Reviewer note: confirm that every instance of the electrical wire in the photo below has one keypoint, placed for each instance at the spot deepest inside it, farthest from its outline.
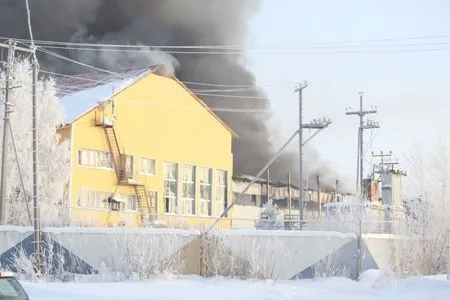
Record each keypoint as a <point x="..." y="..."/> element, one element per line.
<point x="185" y="107"/>
<point x="74" y="61"/>
<point x="19" y="169"/>
<point x="217" y="109"/>
<point x="74" y="77"/>
<point x="260" y="52"/>
<point x="30" y="29"/>
<point x="231" y="96"/>
<point x="203" y="92"/>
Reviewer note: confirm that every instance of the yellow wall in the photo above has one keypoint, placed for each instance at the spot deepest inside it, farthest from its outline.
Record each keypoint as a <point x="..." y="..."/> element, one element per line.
<point x="158" y="119"/>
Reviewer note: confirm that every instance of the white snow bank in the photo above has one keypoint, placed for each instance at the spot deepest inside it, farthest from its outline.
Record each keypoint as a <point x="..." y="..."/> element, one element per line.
<point x="221" y="289"/>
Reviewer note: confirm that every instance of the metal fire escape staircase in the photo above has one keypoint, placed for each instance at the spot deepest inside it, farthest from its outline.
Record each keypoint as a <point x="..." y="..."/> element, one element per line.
<point x="119" y="159"/>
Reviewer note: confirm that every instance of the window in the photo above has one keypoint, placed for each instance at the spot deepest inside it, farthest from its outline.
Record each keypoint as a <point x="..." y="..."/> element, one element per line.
<point x="221" y="192"/>
<point x="129" y="166"/>
<point x="188" y="190"/>
<point x="93" y="199"/>
<point x="170" y="187"/>
<point x="148" y="166"/>
<point x="205" y="191"/>
<point x="95" y="159"/>
<point x="131" y="203"/>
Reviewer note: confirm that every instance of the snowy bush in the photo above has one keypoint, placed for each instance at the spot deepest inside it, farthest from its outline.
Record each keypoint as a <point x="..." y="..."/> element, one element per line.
<point x="218" y="259"/>
<point x="227" y="257"/>
<point x="426" y="206"/>
<point x="53" y="156"/>
<point x="331" y="266"/>
<point x="54" y="262"/>
<point x="140" y="256"/>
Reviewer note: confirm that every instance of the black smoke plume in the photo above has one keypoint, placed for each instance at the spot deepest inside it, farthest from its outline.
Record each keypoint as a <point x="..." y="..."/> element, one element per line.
<point x="163" y="23"/>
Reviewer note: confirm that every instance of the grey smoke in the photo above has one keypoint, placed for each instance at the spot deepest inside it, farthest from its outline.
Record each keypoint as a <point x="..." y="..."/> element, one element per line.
<point x="164" y="23"/>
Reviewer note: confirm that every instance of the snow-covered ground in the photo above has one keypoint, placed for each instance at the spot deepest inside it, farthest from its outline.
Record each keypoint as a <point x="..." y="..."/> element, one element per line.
<point x="372" y="286"/>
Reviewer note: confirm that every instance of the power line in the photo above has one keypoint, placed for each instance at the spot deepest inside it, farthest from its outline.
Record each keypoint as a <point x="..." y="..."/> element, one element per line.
<point x="233" y="85"/>
<point x="231" y="96"/>
<point x="203" y="92"/>
<point x="75" y="61"/>
<point x="284" y="51"/>
<point x="218" y="109"/>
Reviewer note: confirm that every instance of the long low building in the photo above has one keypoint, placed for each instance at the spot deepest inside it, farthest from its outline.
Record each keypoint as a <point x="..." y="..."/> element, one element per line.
<point x="250" y="206"/>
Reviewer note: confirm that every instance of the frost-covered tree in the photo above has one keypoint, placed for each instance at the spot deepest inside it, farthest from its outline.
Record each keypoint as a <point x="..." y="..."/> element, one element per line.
<point x="426" y="207"/>
<point x="53" y="155"/>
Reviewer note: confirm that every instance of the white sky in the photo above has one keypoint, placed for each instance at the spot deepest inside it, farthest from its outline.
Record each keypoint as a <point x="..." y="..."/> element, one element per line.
<point x="410" y="88"/>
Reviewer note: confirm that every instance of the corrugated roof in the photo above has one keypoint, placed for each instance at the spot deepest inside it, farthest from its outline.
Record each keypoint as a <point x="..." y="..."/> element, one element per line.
<point x="80" y="93"/>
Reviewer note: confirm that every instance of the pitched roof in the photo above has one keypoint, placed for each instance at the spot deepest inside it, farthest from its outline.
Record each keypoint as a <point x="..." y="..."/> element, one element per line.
<point x="81" y="93"/>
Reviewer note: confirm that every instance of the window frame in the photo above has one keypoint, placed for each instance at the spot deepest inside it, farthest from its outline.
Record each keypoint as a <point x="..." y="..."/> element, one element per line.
<point x="175" y="207"/>
<point x="202" y="186"/>
<point x="190" y="200"/>
<point x="92" y="153"/>
<point x="219" y="186"/>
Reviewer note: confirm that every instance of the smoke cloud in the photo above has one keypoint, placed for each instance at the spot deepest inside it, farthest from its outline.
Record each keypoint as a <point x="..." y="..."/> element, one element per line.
<point x="165" y="23"/>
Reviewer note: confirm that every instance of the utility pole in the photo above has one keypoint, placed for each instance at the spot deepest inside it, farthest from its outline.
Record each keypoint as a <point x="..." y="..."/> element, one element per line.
<point x="362" y="126"/>
<point x="37" y="229"/>
<point x="299" y="90"/>
<point x="382" y="155"/>
<point x="4" y="178"/>
<point x="318" y="124"/>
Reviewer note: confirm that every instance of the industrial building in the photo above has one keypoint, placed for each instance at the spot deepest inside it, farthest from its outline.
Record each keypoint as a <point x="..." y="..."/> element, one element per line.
<point x="250" y="207"/>
<point x="144" y="150"/>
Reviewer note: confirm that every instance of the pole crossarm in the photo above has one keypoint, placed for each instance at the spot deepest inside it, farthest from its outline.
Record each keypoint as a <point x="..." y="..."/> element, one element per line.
<point x="317" y="124"/>
<point x="21" y="49"/>
<point x="361" y="113"/>
<point x="256" y="178"/>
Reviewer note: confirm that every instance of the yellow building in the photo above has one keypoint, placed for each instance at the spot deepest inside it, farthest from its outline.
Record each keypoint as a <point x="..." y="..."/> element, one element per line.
<point x="145" y="149"/>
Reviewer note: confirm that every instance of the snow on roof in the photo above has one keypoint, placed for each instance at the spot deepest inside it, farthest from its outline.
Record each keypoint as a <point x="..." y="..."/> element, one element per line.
<point x="80" y="93"/>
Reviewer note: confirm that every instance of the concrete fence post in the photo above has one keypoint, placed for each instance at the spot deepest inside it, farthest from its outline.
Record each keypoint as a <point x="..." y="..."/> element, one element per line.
<point x="448" y="254"/>
<point x="359" y="250"/>
<point x="202" y="254"/>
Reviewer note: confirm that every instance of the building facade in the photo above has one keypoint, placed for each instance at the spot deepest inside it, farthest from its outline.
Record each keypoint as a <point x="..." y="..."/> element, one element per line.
<point x="146" y="150"/>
